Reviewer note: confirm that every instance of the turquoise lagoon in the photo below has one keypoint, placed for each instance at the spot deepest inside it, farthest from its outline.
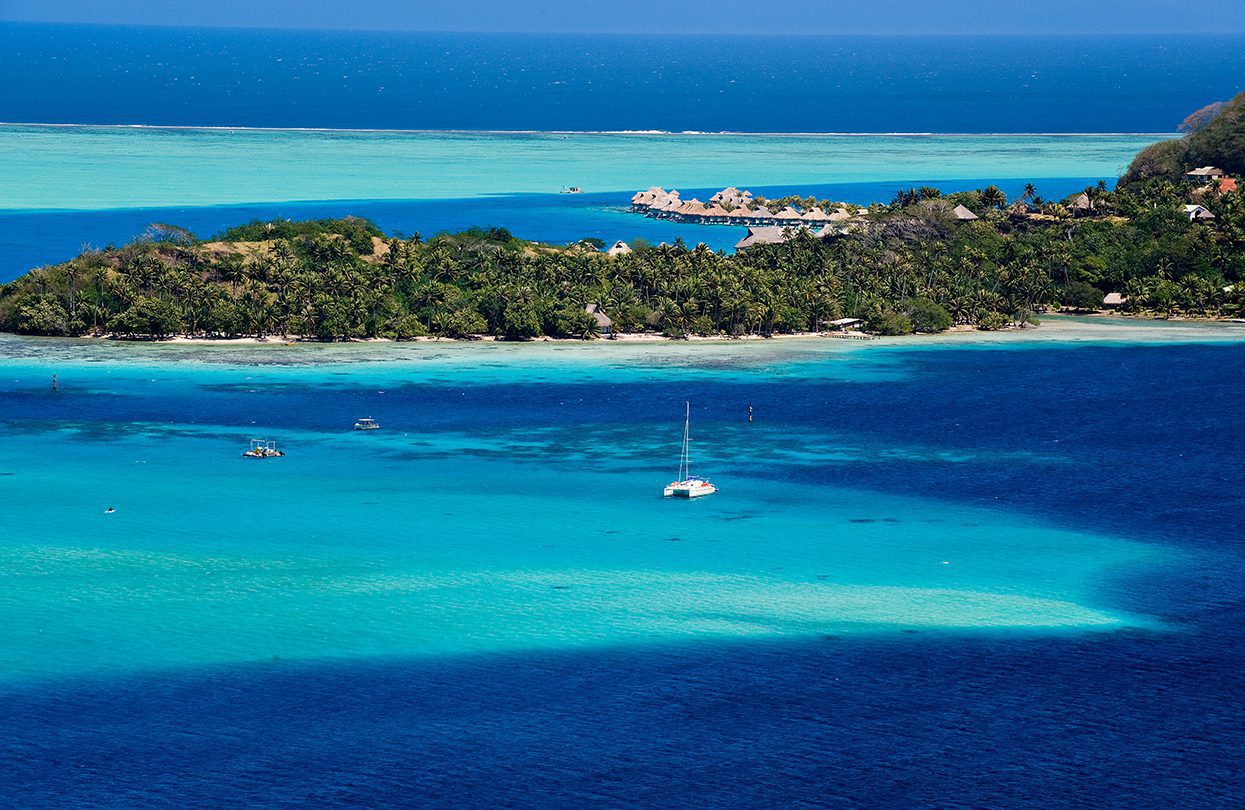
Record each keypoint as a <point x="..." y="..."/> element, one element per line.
<point x="511" y="502"/>
<point x="94" y="168"/>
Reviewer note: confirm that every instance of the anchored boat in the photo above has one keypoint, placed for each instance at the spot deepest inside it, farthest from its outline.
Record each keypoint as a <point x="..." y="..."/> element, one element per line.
<point x="262" y="448"/>
<point x="688" y="485"/>
<point x="367" y="423"/>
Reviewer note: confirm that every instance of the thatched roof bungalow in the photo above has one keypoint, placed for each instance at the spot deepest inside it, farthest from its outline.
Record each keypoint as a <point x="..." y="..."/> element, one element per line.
<point x="619" y="248"/>
<point x="769" y="235"/>
<point x="1082" y="205"/>
<point x="605" y="325"/>
<point x="963" y="214"/>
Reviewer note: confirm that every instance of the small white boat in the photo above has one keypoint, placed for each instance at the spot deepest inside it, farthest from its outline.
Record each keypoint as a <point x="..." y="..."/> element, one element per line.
<point x="573" y="190"/>
<point x="367" y="423"/>
<point x="262" y="448"/>
<point x="688" y="485"/>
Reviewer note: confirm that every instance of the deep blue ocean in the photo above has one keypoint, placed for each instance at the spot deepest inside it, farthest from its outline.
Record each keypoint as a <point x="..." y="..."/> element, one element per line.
<point x="1126" y="441"/>
<point x="353" y="80"/>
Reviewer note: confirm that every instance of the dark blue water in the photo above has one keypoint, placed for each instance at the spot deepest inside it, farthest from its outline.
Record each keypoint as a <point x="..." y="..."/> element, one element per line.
<point x="33" y="238"/>
<point x="269" y="78"/>
<point x="1135" y="440"/>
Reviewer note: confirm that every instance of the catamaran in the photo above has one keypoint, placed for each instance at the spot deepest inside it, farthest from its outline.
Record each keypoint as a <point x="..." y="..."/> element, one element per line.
<point x="688" y="485"/>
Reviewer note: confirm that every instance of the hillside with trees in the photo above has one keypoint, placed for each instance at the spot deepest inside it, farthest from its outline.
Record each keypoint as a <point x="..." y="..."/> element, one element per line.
<point x="1215" y="136"/>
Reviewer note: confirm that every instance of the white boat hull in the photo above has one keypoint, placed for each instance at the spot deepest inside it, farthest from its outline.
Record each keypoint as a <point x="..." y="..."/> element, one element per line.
<point x="689" y="490"/>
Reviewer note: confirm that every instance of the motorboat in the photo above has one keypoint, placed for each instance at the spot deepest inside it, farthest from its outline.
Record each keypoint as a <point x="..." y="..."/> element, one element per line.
<point x="262" y="448"/>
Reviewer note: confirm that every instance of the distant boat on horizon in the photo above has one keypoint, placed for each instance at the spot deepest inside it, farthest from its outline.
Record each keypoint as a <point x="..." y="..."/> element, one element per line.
<point x="688" y="485"/>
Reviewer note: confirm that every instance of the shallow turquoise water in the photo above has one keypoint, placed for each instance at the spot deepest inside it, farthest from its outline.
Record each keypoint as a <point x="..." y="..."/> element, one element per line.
<point x="92" y="168"/>
<point x="511" y="502"/>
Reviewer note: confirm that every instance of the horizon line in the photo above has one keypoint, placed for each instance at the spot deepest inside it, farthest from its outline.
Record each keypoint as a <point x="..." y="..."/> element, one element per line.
<point x="1017" y="34"/>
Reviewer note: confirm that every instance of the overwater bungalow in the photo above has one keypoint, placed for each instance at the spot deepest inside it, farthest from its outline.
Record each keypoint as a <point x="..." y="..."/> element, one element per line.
<point x="788" y="214"/>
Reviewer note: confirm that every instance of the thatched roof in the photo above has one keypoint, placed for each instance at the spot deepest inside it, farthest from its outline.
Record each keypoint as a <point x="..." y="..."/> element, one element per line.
<point x="1114" y="299"/>
<point x="603" y="321"/>
<point x="814" y="215"/>
<point x="619" y="248"/>
<point x="715" y="211"/>
<point x="963" y="214"/>
<point x="1082" y="203"/>
<point x="787" y="213"/>
<point x="768" y="235"/>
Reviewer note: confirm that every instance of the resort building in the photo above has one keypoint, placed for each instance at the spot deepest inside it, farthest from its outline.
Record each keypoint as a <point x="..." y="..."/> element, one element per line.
<point x="730" y="206"/>
<point x="1223" y="185"/>
<point x="1197" y="212"/>
<point x="619" y="249"/>
<point x="963" y="214"/>
<point x="605" y="325"/>
<point x="1204" y="174"/>
<point x="1082" y="205"/>
<point x="777" y="234"/>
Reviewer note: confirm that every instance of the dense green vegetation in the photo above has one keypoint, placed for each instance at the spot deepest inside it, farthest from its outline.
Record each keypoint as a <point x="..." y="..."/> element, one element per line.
<point x="911" y="266"/>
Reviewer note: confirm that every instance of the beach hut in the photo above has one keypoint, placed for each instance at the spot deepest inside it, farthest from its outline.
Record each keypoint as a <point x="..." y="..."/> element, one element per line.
<point x="1113" y="300"/>
<point x="844" y="324"/>
<point x="619" y="248"/>
<point x="1197" y="212"/>
<point x="604" y="324"/>
<point x="963" y="214"/>
<point x="1019" y="209"/>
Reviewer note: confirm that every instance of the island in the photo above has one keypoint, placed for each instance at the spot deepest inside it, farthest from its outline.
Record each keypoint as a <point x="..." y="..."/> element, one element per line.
<point x="1167" y="240"/>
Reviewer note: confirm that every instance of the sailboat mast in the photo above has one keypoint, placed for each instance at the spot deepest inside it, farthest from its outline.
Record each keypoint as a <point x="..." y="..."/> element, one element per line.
<point x="687" y="439"/>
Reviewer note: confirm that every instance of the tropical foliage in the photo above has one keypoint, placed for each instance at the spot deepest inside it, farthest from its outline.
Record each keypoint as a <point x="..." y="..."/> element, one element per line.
<point x="908" y="266"/>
